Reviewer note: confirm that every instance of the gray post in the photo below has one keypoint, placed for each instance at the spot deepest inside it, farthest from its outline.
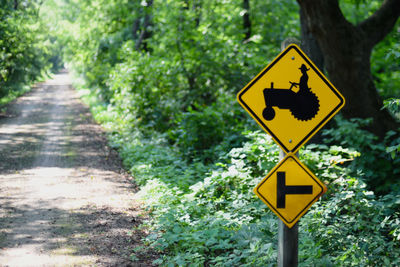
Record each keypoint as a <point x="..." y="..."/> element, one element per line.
<point x="287" y="240"/>
<point x="287" y="245"/>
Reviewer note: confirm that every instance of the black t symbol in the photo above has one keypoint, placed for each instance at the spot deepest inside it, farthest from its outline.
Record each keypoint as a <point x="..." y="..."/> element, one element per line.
<point x="283" y="190"/>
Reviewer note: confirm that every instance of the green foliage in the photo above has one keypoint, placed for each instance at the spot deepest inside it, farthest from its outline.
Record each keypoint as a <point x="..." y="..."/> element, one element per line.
<point x="381" y="170"/>
<point x="24" y="50"/>
<point x="195" y="56"/>
<point x="168" y="102"/>
<point x="393" y="105"/>
<point x="358" y="10"/>
<point x="220" y="222"/>
<point x="92" y="33"/>
<point x="384" y="68"/>
<point x="147" y="158"/>
<point x="393" y="150"/>
<point x="217" y="220"/>
<point x="207" y="132"/>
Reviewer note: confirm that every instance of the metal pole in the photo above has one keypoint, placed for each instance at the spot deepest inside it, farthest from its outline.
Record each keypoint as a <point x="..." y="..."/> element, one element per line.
<point x="287" y="240"/>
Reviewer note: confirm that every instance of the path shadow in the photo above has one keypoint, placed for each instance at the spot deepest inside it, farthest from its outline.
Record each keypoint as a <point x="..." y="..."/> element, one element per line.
<point x="108" y="234"/>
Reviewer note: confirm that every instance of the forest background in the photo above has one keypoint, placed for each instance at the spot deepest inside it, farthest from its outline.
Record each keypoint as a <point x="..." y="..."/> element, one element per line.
<point x="162" y="75"/>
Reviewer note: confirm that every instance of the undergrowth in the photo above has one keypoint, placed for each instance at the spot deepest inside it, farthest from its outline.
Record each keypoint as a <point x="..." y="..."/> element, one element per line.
<point x="11" y="95"/>
<point x="207" y="215"/>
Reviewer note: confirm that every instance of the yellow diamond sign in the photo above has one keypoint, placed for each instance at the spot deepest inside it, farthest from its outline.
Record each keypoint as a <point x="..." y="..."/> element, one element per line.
<point x="291" y="99"/>
<point x="290" y="189"/>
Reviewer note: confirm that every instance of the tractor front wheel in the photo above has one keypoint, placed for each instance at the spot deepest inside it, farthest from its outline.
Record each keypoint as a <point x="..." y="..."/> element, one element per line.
<point x="268" y="113"/>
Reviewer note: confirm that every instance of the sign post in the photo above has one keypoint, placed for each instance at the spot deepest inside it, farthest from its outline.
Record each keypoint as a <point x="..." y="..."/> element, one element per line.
<point x="291" y="100"/>
<point x="288" y="240"/>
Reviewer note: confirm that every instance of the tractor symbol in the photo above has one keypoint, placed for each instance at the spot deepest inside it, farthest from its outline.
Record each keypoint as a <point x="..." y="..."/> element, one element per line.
<point x="303" y="104"/>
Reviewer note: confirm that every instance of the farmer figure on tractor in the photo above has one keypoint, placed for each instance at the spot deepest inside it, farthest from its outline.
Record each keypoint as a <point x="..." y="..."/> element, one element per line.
<point x="303" y="84"/>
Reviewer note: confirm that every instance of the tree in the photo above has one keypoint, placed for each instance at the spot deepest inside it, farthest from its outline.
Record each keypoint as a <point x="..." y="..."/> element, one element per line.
<point x="24" y="53"/>
<point x="246" y="19"/>
<point x="347" y="50"/>
<point x="145" y="31"/>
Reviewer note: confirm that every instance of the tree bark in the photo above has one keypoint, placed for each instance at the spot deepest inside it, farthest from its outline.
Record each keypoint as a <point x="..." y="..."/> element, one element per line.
<point x="311" y="47"/>
<point x="197" y="9"/>
<point x="246" y="20"/>
<point x="146" y="32"/>
<point x="309" y="44"/>
<point x="347" y="50"/>
<point x="135" y="29"/>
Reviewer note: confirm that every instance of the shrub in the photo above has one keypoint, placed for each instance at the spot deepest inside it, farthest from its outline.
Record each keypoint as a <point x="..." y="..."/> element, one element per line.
<point x="380" y="169"/>
<point x="220" y="222"/>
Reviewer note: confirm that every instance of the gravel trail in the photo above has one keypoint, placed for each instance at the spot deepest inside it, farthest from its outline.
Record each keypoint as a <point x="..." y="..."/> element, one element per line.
<point x="64" y="198"/>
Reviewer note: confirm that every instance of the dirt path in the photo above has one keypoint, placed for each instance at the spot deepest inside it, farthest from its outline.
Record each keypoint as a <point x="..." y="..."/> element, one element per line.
<point x="64" y="199"/>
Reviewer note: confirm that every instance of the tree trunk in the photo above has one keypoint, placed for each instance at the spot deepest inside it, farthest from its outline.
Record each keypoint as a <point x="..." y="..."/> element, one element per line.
<point x="197" y="9"/>
<point x="309" y="44"/>
<point x="246" y="20"/>
<point x="347" y="50"/>
<point x="146" y="32"/>
<point x="135" y="29"/>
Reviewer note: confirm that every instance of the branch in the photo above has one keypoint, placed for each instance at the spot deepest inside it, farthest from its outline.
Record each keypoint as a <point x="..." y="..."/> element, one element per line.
<point x="145" y="33"/>
<point x="246" y="19"/>
<point x="379" y="24"/>
<point x="135" y="29"/>
<point x="322" y="15"/>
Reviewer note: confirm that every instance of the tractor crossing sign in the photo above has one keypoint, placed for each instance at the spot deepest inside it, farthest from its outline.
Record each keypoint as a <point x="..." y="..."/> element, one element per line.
<point x="291" y="99"/>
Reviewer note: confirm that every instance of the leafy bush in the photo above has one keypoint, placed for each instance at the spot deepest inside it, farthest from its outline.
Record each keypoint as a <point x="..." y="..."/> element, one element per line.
<point x="381" y="171"/>
<point x="217" y="220"/>
<point x="393" y="105"/>
<point x="220" y="222"/>
<point x="206" y="132"/>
